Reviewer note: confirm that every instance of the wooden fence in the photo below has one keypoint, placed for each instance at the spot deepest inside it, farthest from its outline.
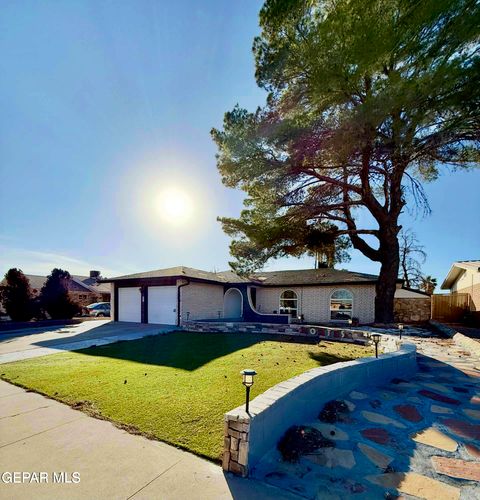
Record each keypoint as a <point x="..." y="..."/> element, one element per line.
<point x="450" y="308"/>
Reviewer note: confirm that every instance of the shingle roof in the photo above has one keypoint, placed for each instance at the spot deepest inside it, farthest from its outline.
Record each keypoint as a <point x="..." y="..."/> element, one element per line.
<point x="322" y="276"/>
<point x="187" y="272"/>
<point x="90" y="284"/>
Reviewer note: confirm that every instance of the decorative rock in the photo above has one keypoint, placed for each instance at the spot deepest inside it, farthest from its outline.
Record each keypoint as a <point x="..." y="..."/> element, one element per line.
<point x="475" y="414"/>
<point x="351" y="406"/>
<point x="473" y="451"/>
<point x="332" y="432"/>
<point x="435" y="438"/>
<point x="414" y="399"/>
<point x="377" y="418"/>
<point x="408" y="412"/>
<point x="333" y="457"/>
<point x="438" y="397"/>
<point x="378" y="458"/>
<point x="358" y="395"/>
<point x="417" y="485"/>
<point x="455" y="467"/>
<point x="435" y="387"/>
<point x="463" y="428"/>
<point x="440" y="409"/>
<point x="380" y="436"/>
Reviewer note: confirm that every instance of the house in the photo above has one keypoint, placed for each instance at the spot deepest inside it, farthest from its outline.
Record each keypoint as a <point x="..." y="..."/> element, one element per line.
<point x="84" y="290"/>
<point x="464" y="277"/>
<point x="175" y="295"/>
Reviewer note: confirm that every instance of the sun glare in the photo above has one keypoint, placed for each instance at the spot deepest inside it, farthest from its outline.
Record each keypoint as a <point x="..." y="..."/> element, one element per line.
<point x="174" y="205"/>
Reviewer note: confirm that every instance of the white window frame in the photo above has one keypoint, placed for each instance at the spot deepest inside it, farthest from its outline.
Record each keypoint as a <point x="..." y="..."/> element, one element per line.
<point x="330" y="304"/>
<point x="280" y="307"/>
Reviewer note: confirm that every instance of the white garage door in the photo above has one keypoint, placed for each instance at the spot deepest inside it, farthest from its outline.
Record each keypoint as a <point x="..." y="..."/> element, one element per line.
<point x="162" y="305"/>
<point x="129" y="304"/>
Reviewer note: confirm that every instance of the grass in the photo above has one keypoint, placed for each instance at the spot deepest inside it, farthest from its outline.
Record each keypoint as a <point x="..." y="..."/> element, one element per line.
<point x="173" y="387"/>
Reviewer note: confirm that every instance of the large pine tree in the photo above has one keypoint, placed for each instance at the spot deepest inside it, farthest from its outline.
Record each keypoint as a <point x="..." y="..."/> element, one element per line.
<point x="367" y="101"/>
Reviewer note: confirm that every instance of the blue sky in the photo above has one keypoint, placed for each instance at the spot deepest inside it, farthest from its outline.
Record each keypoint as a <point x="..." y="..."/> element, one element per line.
<point x="107" y="104"/>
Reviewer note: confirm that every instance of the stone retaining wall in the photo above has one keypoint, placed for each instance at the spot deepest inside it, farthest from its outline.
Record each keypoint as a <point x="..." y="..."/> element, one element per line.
<point x="313" y="331"/>
<point x="412" y="310"/>
<point x="461" y="340"/>
<point x="249" y="436"/>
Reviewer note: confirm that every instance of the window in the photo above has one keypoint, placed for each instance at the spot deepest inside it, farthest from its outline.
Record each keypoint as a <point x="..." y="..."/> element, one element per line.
<point x="341" y="305"/>
<point x="289" y="303"/>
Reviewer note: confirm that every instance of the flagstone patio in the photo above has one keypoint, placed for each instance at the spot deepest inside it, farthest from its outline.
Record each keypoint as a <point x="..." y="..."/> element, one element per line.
<point x="416" y="438"/>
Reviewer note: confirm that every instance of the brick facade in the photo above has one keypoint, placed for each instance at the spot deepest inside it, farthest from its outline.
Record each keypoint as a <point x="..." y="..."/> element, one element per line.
<point x="314" y="301"/>
<point x="201" y="301"/>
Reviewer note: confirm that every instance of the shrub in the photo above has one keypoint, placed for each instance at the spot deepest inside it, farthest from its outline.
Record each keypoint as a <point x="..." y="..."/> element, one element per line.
<point x="54" y="297"/>
<point x="16" y="296"/>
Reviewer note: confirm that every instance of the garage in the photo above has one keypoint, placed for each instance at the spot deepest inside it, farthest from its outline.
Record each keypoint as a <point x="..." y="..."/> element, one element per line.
<point x="162" y="305"/>
<point x="129" y="304"/>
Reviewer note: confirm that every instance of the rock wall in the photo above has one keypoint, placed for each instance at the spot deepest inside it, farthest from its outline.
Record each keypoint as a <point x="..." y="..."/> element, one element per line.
<point x="412" y="310"/>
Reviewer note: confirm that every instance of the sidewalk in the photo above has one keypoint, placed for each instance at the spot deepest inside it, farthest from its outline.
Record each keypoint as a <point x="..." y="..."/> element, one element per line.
<point x="41" y="435"/>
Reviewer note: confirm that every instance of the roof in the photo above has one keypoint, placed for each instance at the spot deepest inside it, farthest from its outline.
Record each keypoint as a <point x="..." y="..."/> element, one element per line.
<point x="410" y="293"/>
<point x="457" y="269"/>
<point x="184" y="272"/>
<point x="90" y="284"/>
<point x="324" y="276"/>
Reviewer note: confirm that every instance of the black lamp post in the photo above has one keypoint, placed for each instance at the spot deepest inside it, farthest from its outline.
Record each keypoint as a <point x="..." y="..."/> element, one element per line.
<point x="376" y="340"/>
<point x="400" y="329"/>
<point x="247" y="380"/>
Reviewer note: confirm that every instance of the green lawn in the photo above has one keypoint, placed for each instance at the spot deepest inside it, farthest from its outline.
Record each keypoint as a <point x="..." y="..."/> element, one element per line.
<point x="173" y="387"/>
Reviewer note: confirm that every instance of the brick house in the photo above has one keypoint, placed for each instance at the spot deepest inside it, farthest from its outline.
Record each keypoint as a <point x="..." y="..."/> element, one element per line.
<point x="464" y="277"/>
<point x="176" y="295"/>
<point x="84" y="290"/>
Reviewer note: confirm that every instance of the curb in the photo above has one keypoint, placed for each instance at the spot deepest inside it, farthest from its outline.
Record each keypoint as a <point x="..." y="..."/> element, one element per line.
<point x="461" y="340"/>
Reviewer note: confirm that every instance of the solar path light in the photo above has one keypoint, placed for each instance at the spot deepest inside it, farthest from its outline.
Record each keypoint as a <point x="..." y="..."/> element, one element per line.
<point x="400" y="329"/>
<point x="247" y="380"/>
<point x="376" y="339"/>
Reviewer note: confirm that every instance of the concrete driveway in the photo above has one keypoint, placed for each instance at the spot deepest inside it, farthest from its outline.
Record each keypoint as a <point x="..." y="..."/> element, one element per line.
<point x="44" y="436"/>
<point x="31" y="343"/>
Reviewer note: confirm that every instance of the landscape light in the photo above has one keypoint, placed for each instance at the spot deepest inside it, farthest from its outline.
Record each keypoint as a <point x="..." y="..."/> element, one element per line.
<point x="247" y="380"/>
<point x="400" y="328"/>
<point x="376" y="339"/>
<point x="350" y="321"/>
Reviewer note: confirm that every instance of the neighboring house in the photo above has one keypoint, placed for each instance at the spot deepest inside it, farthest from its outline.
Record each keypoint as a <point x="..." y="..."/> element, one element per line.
<point x="84" y="290"/>
<point x="464" y="277"/>
<point x="175" y="295"/>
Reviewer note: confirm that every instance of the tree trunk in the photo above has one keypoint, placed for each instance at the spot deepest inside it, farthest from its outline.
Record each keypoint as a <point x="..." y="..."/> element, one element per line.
<point x="387" y="280"/>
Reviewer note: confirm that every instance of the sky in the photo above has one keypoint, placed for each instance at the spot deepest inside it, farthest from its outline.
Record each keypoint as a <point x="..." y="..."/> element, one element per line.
<point x="106" y="115"/>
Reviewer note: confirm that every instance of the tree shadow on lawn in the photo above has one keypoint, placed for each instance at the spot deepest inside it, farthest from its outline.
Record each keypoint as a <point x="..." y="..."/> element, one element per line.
<point x="189" y="351"/>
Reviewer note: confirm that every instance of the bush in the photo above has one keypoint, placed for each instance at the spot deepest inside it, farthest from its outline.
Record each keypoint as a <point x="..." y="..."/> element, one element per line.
<point x="54" y="297"/>
<point x="16" y="296"/>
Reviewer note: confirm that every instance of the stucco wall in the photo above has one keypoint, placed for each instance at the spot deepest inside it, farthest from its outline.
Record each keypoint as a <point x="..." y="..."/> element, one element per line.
<point x="314" y="301"/>
<point x="474" y="292"/>
<point x="201" y="300"/>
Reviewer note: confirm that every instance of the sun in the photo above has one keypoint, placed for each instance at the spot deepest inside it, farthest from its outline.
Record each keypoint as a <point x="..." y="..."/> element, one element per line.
<point x="174" y="205"/>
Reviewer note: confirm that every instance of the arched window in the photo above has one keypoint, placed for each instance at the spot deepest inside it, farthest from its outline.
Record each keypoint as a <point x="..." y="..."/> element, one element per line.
<point x="289" y="303"/>
<point x="341" y="305"/>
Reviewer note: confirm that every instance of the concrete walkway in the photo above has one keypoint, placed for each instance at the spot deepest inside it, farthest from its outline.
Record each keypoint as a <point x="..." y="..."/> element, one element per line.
<point x="41" y="435"/>
<point x="419" y="438"/>
<point x="24" y="344"/>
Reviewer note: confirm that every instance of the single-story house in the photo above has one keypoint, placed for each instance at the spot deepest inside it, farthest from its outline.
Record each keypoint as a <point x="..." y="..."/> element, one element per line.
<point x="179" y="294"/>
<point x="464" y="277"/>
<point x="84" y="290"/>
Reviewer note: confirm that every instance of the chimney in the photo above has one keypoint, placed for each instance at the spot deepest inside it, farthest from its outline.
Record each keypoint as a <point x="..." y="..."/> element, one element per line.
<point x="95" y="274"/>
